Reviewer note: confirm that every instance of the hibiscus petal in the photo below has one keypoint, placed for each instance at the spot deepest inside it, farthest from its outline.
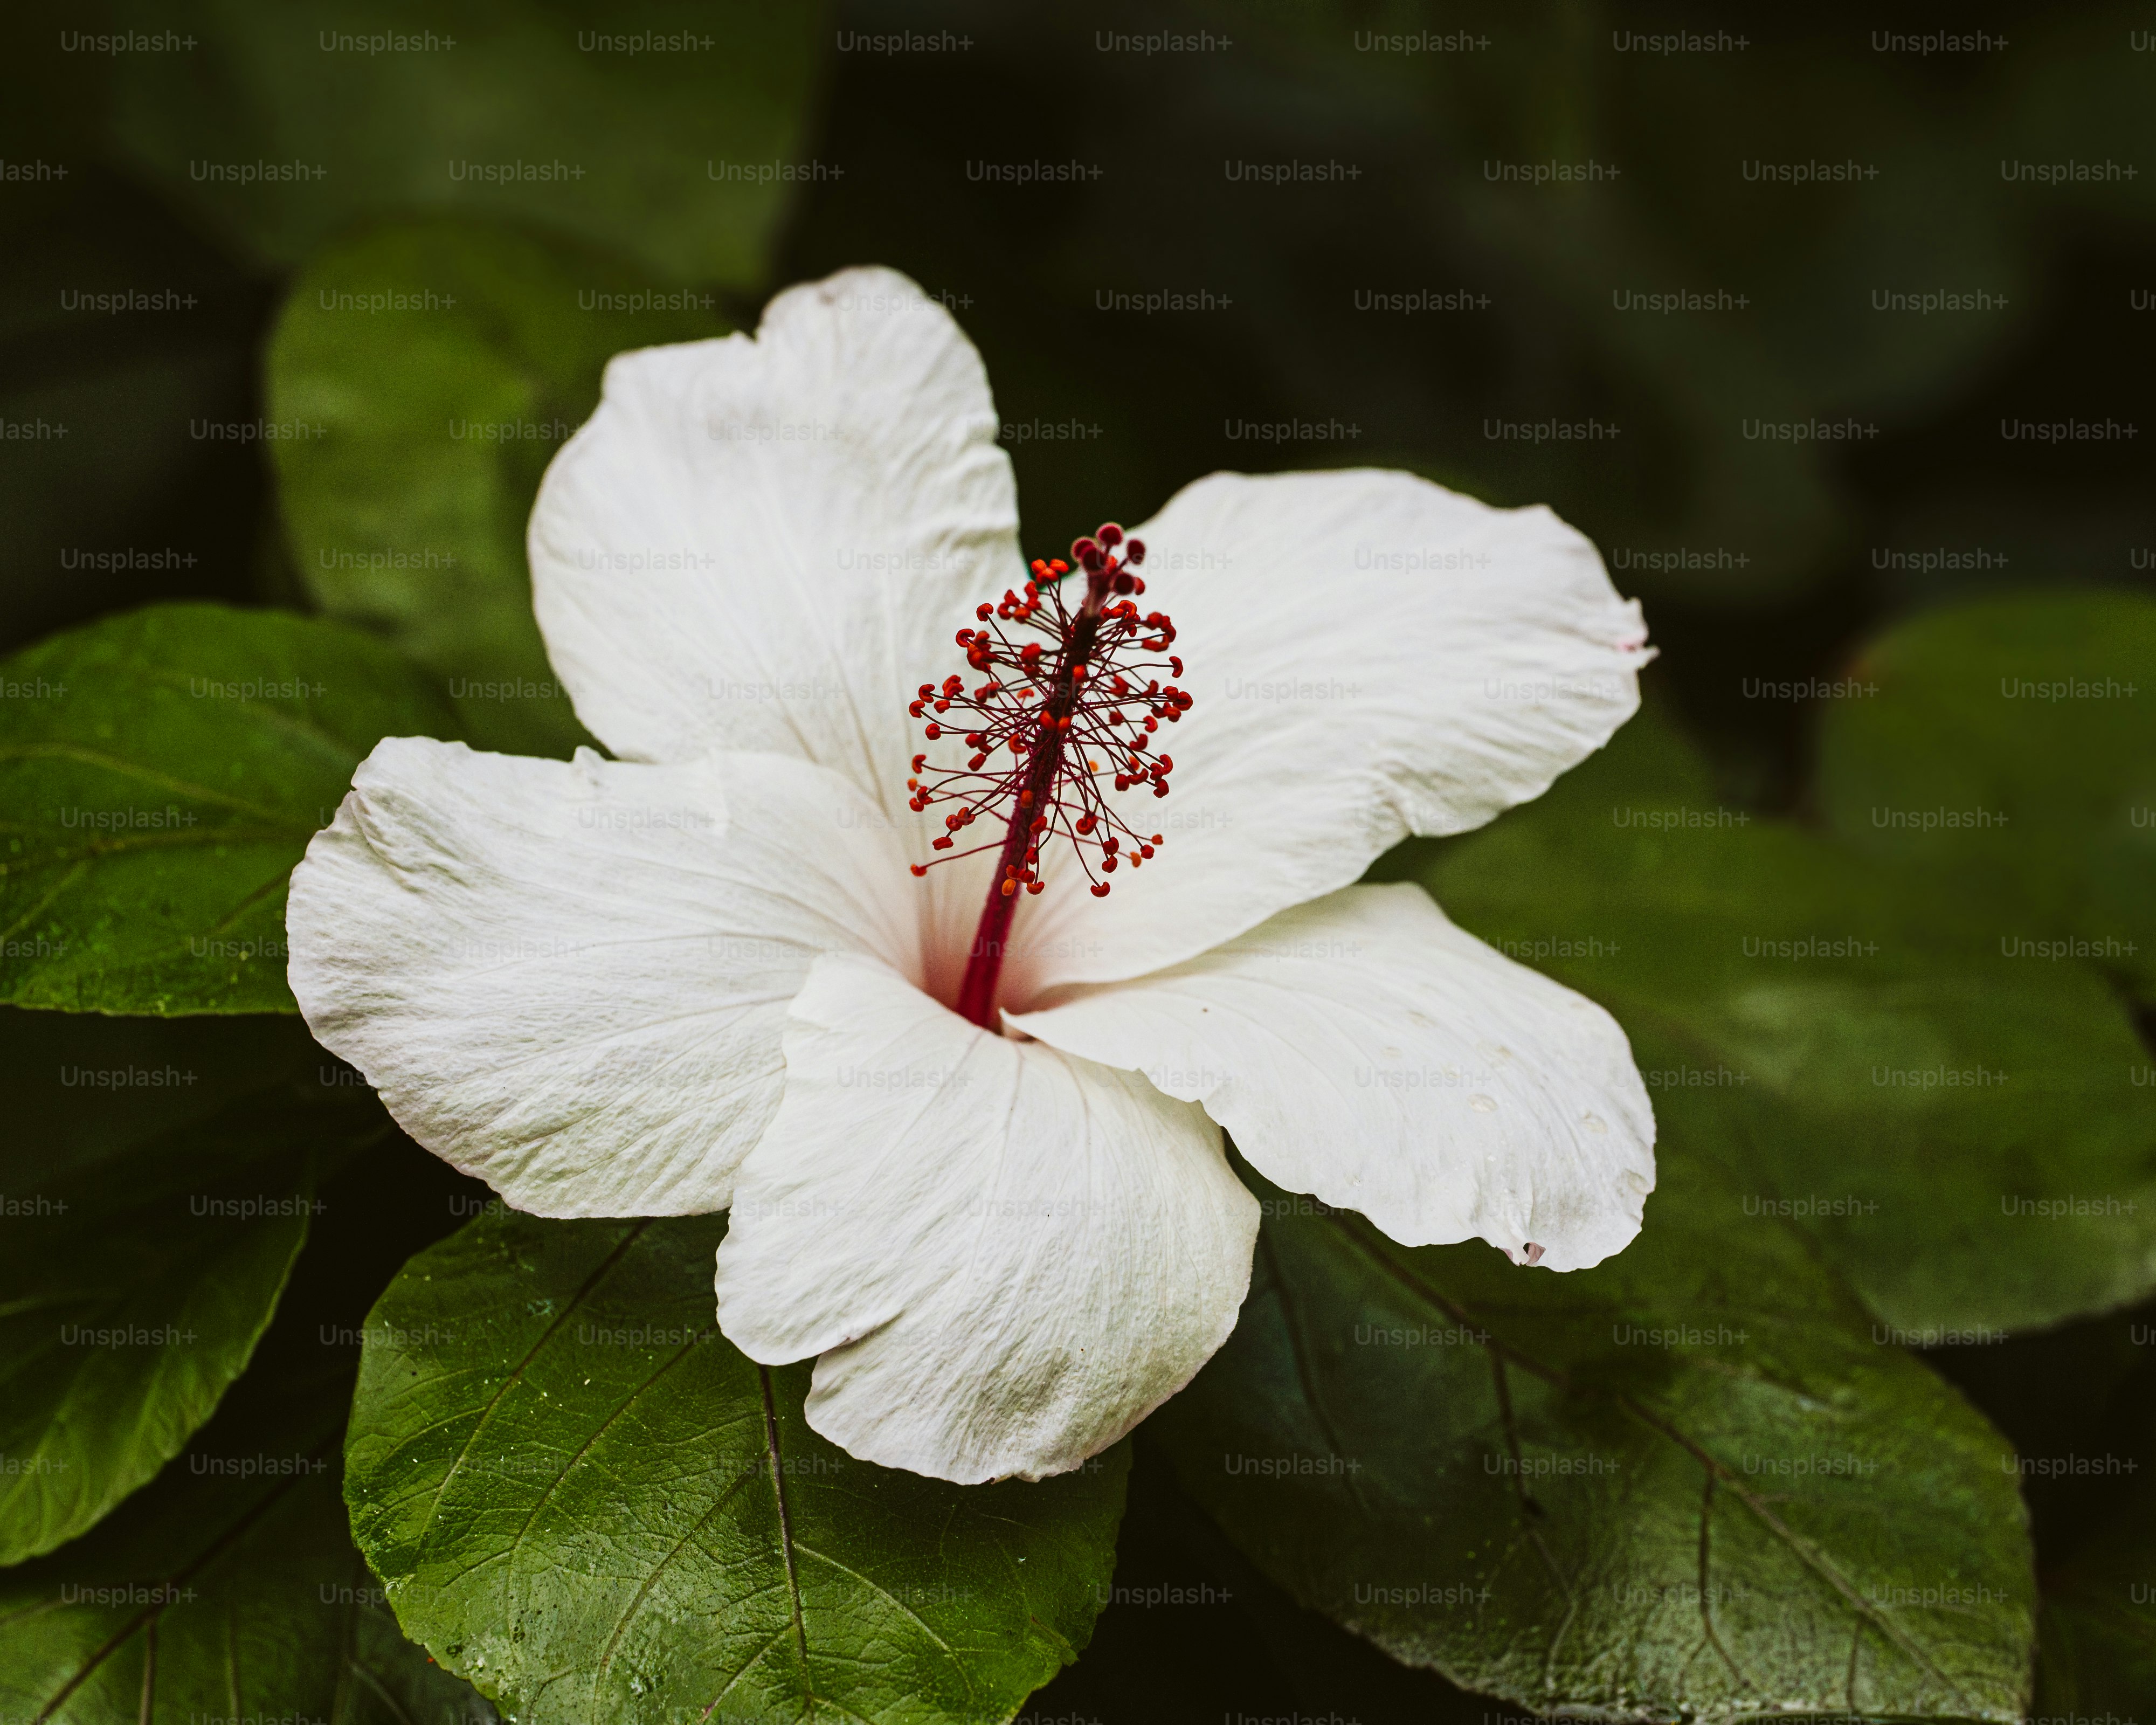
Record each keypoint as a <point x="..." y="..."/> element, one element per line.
<point x="1365" y="1051"/>
<point x="1006" y="1257"/>
<point x="1373" y="656"/>
<point x="570" y="978"/>
<point x="769" y="544"/>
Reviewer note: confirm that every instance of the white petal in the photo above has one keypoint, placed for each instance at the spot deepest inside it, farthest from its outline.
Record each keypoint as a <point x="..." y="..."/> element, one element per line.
<point x="570" y="978"/>
<point x="769" y="544"/>
<point x="1371" y="656"/>
<point x="1006" y="1257"/>
<point x="1363" y="1049"/>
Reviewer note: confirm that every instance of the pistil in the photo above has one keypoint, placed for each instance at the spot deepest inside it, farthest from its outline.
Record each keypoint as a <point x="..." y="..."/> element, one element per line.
<point x="1096" y="696"/>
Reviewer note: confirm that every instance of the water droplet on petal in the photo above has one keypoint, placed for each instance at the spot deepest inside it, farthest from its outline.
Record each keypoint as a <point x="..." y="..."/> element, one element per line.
<point x="1593" y="1122"/>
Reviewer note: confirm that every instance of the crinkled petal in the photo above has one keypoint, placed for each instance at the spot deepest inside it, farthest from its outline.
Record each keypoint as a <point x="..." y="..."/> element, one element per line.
<point x="1363" y="1049"/>
<point x="1371" y="656"/>
<point x="768" y="544"/>
<point x="570" y="978"/>
<point x="1006" y="1257"/>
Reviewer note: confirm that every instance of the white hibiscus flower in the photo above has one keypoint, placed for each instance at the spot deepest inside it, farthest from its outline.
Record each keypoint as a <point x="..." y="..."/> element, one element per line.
<point x="712" y="972"/>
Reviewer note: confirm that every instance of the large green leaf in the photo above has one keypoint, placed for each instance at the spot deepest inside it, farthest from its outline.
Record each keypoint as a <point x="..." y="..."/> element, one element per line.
<point x="160" y="773"/>
<point x="1964" y="1138"/>
<point x="2009" y="749"/>
<point x="229" y="1591"/>
<point x="580" y="1496"/>
<point x="1687" y="1483"/>
<point x="664" y="130"/>
<point x="435" y="420"/>
<point x="132" y="1293"/>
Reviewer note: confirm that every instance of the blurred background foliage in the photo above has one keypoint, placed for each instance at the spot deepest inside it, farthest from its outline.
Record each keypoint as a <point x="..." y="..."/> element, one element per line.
<point x="1762" y="561"/>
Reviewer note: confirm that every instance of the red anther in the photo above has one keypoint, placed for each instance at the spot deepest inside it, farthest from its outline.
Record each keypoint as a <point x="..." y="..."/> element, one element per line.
<point x="919" y="762"/>
<point x="1039" y="823"/>
<point x="1100" y="889"/>
<point x="974" y="764"/>
<point x="1025" y="798"/>
<point x="942" y="706"/>
<point x="1167" y="763"/>
<point x="1086" y="822"/>
<point x="1145" y="850"/>
<point x="1157" y="839"/>
<point x="1160" y="789"/>
<point x="1123" y="782"/>
<point x="1110" y="535"/>
<point x="1035" y="886"/>
<point x="1151" y="723"/>
<point x="1137" y="584"/>
<point x="1009" y="887"/>
<point x="1126" y="584"/>
<point x="982" y="614"/>
<point x="915" y="708"/>
<point x="1174" y="665"/>
<point x="919" y="870"/>
<point x="941" y="844"/>
<point x="1111" y="843"/>
<point x="1107" y="865"/>
<point x="933" y="732"/>
<point x="1135" y="552"/>
<point x="1056" y="565"/>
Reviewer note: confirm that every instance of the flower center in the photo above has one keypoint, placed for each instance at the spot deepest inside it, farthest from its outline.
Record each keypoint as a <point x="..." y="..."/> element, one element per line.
<point x="1070" y="696"/>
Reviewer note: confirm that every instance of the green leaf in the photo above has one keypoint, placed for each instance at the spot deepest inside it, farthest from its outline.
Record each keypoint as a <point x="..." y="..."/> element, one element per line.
<point x="583" y="1499"/>
<point x="229" y="1590"/>
<point x="430" y="427"/>
<point x="679" y="155"/>
<point x="132" y="1294"/>
<point x="2097" y="1658"/>
<point x="2007" y="751"/>
<point x="1965" y="1136"/>
<point x="1686" y="1483"/>
<point x="160" y="773"/>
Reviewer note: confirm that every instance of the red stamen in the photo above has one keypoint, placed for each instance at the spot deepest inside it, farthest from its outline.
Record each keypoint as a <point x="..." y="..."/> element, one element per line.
<point x="1047" y="702"/>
